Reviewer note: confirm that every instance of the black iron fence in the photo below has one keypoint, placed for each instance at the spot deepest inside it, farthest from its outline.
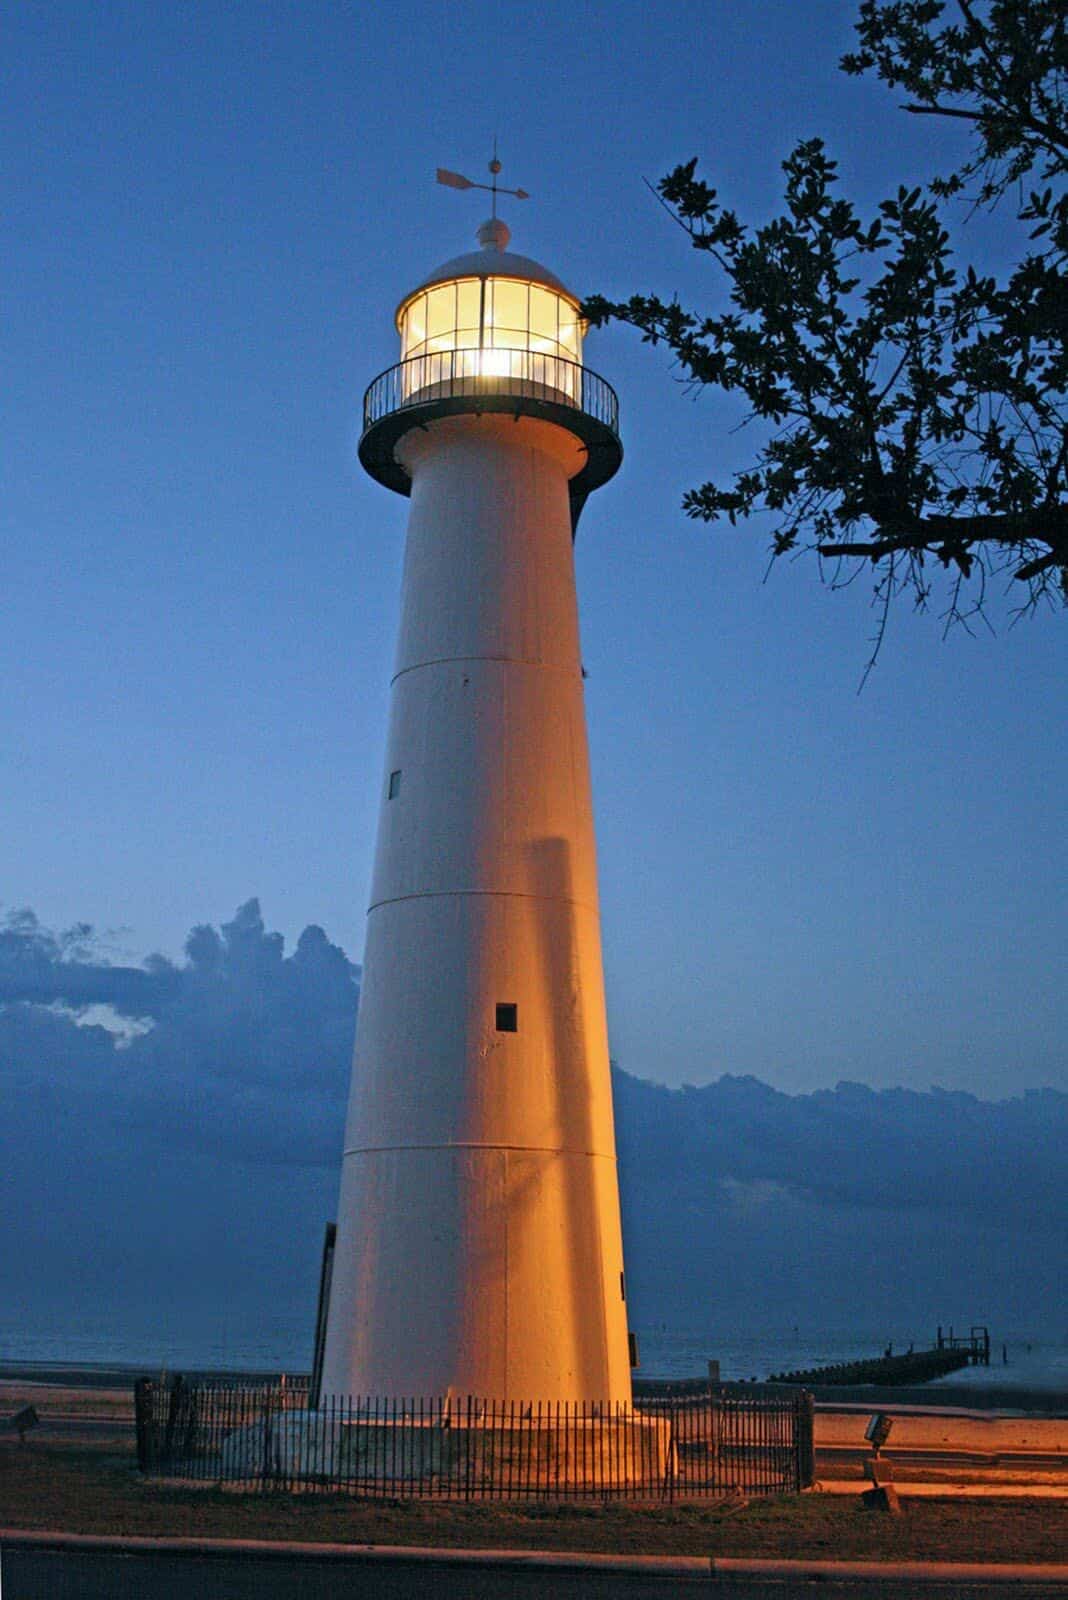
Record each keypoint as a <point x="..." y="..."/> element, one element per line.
<point x="267" y="1437"/>
<point x="471" y="374"/>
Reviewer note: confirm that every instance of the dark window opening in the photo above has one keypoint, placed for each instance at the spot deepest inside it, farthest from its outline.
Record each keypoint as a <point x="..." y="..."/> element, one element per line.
<point x="507" y="1017"/>
<point x="622" y="1287"/>
<point x="394" y="784"/>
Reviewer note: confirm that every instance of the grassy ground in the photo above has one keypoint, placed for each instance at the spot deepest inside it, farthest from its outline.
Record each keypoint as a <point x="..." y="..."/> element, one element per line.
<point x="58" y="1400"/>
<point x="94" y="1487"/>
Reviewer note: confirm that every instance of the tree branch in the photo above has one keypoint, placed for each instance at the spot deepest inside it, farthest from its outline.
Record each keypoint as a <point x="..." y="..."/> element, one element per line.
<point x="1032" y="569"/>
<point x="1041" y="130"/>
<point x="1048" y="524"/>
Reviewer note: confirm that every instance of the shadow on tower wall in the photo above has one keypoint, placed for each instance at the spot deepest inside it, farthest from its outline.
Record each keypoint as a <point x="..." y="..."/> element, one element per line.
<point x="567" y="1023"/>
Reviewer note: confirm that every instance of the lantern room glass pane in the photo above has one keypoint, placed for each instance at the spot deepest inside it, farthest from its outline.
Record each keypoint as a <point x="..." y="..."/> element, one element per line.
<point x="543" y="313"/>
<point x="414" y="330"/>
<point x="441" y="317"/>
<point x="506" y="307"/>
<point x="469" y="304"/>
<point x="570" y="332"/>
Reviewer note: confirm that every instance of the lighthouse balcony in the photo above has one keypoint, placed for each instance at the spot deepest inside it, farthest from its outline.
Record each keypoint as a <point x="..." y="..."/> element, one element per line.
<point x="520" y="382"/>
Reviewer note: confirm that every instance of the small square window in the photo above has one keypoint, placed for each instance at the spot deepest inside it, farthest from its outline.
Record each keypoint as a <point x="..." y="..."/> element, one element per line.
<point x="394" y="784"/>
<point x="507" y="1017"/>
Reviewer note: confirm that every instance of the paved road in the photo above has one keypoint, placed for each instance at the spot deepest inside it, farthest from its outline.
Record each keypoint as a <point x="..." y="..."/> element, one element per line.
<point x="80" y="1575"/>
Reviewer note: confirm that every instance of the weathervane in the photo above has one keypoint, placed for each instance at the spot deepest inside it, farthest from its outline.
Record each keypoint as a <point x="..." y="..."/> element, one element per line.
<point x="456" y="180"/>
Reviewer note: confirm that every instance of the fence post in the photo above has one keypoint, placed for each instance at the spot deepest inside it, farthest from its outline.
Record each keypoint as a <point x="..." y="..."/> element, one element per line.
<point x="808" y="1436"/>
<point x="267" y="1436"/>
<point x="173" y="1411"/>
<point x="143" y="1421"/>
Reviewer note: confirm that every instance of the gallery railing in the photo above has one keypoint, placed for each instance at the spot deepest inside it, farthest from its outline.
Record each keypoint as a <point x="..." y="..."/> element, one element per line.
<point x="474" y="374"/>
<point x="267" y="1437"/>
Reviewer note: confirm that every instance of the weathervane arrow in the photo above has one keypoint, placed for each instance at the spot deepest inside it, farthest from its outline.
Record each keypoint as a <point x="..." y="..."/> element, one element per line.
<point x="456" y="180"/>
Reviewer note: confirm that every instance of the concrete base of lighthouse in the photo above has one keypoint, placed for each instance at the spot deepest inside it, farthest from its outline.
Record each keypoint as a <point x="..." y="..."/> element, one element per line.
<point x="478" y="1248"/>
<point x="459" y="1448"/>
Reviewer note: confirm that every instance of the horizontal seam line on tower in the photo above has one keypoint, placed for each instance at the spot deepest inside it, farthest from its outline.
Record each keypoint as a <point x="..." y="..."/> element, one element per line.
<point x="444" y="661"/>
<point x="486" y="894"/>
<point x="471" y="1144"/>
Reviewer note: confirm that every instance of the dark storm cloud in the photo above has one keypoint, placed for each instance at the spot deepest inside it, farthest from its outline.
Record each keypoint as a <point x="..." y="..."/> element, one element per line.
<point x="247" y="1053"/>
<point x="854" y="1146"/>
<point x="45" y="968"/>
<point x="845" y="1207"/>
<point x="138" y="1157"/>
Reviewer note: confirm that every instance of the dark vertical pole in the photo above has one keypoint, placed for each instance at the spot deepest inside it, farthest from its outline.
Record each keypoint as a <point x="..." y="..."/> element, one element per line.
<point x="226" y="1428"/>
<point x="298" y="1469"/>
<point x="341" y="1471"/>
<point x="608" y="1434"/>
<point x="142" y="1424"/>
<point x="467" y="1452"/>
<point x="761" y="1452"/>
<point x="526" y="1418"/>
<point x="370" y="1410"/>
<point x="733" y="1422"/>
<point x="511" y="1447"/>
<point x="538" y="1456"/>
<point x="380" y="1443"/>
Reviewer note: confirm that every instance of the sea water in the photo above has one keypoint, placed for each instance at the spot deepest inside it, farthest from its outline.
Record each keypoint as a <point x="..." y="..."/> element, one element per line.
<point x="282" y="1342"/>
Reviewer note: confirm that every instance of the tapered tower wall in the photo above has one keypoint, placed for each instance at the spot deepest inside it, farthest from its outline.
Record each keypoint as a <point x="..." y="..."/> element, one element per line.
<point x="478" y="1245"/>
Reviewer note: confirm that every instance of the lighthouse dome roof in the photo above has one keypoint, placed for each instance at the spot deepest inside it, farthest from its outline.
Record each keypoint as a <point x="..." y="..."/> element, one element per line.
<point x="493" y="260"/>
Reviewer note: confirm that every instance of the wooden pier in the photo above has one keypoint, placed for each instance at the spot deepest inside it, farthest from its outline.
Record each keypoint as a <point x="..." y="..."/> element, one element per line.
<point x="950" y="1353"/>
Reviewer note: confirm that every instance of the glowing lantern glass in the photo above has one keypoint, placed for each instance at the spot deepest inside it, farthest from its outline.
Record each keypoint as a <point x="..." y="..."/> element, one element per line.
<point x="491" y="331"/>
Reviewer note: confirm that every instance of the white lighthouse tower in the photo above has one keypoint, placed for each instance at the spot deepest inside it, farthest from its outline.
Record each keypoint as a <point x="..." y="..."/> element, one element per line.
<point x="478" y="1240"/>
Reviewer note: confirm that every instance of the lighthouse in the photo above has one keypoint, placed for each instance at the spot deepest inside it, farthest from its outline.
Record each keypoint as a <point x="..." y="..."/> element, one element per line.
<point x="478" y="1248"/>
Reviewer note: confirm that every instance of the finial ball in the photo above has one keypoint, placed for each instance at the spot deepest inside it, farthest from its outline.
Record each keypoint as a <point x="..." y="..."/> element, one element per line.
<point x="494" y="234"/>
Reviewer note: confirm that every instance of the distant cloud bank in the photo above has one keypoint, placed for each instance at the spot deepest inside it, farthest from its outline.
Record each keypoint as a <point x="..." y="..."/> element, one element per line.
<point x="241" y="1050"/>
<point x="134" y="1148"/>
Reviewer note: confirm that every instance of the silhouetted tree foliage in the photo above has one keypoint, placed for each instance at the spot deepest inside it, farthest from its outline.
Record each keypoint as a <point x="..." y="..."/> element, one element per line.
<point x="917" y="407"/>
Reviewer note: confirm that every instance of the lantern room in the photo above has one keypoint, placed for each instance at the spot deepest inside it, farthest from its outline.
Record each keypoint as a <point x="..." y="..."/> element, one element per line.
<point x="489" y="331"/>
<point x="492" y="314"/>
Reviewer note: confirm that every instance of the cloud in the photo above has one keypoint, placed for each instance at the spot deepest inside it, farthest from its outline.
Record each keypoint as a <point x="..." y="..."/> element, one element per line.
<point x="247" y="1054"/>
<point x="846" y="1206"/>
<point x="855" y="1146"/>
<point x="40" y="967"/>
<point x="197" y="1138"/>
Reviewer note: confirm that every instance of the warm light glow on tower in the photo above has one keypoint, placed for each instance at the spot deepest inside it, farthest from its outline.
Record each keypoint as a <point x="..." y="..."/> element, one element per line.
<point x="478" y="1246"/>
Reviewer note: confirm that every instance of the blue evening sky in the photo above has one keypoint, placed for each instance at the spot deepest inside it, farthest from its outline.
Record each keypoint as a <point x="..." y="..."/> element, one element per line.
<point x="211" y="212"/>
